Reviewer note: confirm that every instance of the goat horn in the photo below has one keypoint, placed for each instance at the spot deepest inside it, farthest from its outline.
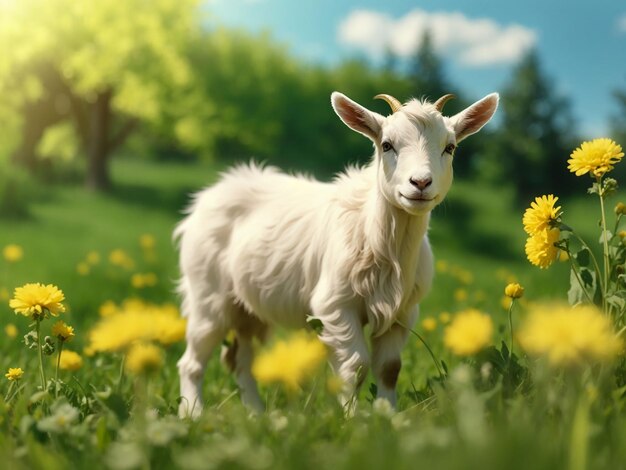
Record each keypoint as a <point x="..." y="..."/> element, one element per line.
<point x="391" y="101"/>
<point x="440" y="103"/>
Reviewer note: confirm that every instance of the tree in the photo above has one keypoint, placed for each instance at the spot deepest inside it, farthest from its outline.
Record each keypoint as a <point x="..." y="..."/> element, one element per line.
<point x="618" y="122"/>
<point x="106" y="65"/>
<point x="536" y="134"/>
<point x="426" y="70"/>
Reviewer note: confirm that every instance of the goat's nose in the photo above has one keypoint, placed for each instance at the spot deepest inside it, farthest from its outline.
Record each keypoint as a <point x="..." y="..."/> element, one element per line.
<point x="421" y="183"/>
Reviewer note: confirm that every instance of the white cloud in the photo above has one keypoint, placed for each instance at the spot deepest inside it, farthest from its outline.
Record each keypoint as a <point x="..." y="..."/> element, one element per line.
<point x="621" y="23"/>
<point x="472" y="42"/>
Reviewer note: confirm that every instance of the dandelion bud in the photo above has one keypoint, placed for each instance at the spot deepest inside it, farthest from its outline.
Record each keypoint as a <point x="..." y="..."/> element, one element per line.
<point x="48" y="346"/>
<point x="30" y="340"/>
<point x="620" y="208"/>
<point x="514" y="291"/>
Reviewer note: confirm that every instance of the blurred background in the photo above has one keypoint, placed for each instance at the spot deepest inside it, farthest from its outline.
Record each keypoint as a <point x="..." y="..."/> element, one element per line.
<point x="112" y="112"/>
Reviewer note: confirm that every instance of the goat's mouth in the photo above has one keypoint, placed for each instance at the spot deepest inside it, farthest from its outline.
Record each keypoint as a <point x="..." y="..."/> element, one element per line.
<point x="417" y="198"/>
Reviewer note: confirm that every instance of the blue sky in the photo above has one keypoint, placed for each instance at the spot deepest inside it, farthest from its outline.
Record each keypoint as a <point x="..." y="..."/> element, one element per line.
<point x="582" y="44"/>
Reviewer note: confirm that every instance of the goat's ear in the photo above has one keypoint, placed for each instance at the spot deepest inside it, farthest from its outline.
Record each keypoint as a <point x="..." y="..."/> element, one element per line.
<point x="357" y="117"/>
<point x="472" y="119"/>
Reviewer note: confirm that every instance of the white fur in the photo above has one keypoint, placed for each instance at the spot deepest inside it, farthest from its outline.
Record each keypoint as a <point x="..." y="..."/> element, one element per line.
<point x="264" y="248"/>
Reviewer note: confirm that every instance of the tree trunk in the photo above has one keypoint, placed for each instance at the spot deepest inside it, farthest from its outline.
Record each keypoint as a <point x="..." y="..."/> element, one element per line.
<point x="32" y="132"/>
<point x="97" y="147"/>
<point x="38" y="117"/>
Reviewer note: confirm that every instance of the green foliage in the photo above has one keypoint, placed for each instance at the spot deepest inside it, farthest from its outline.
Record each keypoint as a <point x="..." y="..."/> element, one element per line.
<point x="535" y="136"/>
<point x="103" y="66"/>
<point x="17" y="190"/>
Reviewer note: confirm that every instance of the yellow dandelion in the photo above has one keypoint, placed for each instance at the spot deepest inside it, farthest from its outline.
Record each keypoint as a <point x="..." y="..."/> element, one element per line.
<point x="83" y="268"/>
<point x="93" y="258"/>
<point x="620" y="208"/>
<point x="429" y="324"/>
<point x="441" y="266"/>
<point x="514" y="290"/>
<point x="137" y="321"/>
<point x="62" y="331"/>
<point x="469" y="332"/>
<point x="140" y="281"/>
<point x="143" y="358"/>
<point x="567" y="335"/>
<point x="540" y="249"/>
<point x="120" y="258"/>
<point x="290" y="361"/>
<point x="595" y="157"/>
<point x="11" y="330"/>
<point x="147" y="241"/>
<point x="12" y="253"/>
<point x="37" y="300"/>
<point x="444" y="317"/>
<point x="108" y="308"/>
<point x="541" y="214"/>
<point x="460" y="295"/>
<point x="70" y="360"/>
<point x="14" y="374"/>
<point x="136" y="280"/>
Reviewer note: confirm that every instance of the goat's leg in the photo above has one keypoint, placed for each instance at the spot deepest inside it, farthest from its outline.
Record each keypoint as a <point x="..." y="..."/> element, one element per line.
<point x="239" y="356"/>
<point x="203" y="335"/>
<point x="343" y="334"/>
<point x="386" y="360"/>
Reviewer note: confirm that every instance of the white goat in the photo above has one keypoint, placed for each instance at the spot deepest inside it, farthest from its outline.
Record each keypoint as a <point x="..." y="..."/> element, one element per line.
<point x="261" y="247"/>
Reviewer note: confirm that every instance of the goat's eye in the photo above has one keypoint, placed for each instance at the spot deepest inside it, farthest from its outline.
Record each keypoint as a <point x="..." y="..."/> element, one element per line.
<point x="387" y="146"/>
<point x="450" y="149"/>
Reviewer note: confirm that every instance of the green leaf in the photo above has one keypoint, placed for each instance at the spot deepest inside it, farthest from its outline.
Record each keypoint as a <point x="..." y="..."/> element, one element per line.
<point x="606" y="234"/>
<point x="583" y="258"/>
<point x="575" y="294"/>
<point x="594" y="189"/>
<point x="505" y="351"/>
<point x="116" y="403"/>
<point x="103" y="437"/>
<point x="315" y="324"/>
<point x="617" y="301"/>
<point x="587" y="277"/>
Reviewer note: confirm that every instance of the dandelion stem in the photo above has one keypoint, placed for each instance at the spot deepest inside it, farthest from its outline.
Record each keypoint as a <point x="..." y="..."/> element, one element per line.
<point x="42" y="373"/>
<point x="580" y="281"/>
<point x="56" y="372"/>
<point x="511" y="327"/>
<point x="120" y="379"/>
<point x="11" y="387"/>
<point x="605" y="245"/>
<point x="596" y="266"/>
<point x="430" y="351"/>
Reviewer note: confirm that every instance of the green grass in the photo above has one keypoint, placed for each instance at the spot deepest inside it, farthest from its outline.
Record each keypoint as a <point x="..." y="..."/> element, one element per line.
<point x="473" y="420"/>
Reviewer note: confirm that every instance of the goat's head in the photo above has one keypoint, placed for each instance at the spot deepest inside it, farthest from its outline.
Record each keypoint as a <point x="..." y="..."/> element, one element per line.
<point x="414" y="145"/>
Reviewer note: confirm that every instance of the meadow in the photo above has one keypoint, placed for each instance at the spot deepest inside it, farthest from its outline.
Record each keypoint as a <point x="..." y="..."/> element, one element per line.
<point x="492" y="409"/>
